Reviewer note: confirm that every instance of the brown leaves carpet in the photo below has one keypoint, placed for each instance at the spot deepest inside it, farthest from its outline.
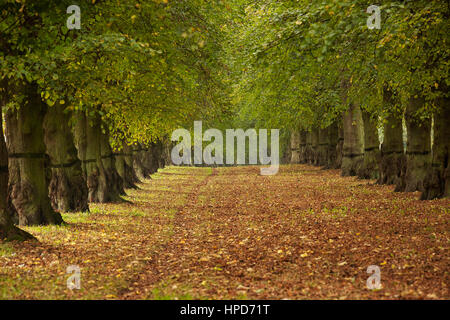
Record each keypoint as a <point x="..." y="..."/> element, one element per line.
<point x="229" y="233"/>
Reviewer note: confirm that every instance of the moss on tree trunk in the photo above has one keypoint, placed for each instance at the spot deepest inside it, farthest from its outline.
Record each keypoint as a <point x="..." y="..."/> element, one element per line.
<point x="369" y="168"/>
<point x="67" y="188"/>
<point x="28" y="171"/>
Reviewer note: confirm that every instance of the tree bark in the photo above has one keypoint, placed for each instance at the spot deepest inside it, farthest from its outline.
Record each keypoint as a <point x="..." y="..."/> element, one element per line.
<point x="161" y="158"/>
<point x="167" y="149"/>
<point x="333" y="138"/>
<point x="393" y="159"/>
<point x="295" y="147"/>
<point x="418" y="148"/>
<point x="302" y="140"/>
<point x="369" y="168"/>
<point x="437" y="181"/>
<point x="145" y="156"/>
<point x="315" y="146"/>
<point x="80" y="140"/>
<point x="339" y="145"/>
<point x="353" y="147"/>
<point x="28" y="172"/>
<point x="157" y="156"/>
<point x="67" y="188"/>
<point x="108" y="166"/>
<point x="8" y="232"/>
<point x="124" y="166"/>
<point x="129" y="161"/>
<point x="322" y="148"/>
<point x="151" y="159"/>
<point x="103" y="182"/>
<point x="88" y="152"/>
<point x="138" y="161"/>
<point x="309" y="149"/>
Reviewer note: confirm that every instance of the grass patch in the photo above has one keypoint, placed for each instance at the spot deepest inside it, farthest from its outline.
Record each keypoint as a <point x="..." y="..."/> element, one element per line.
<point x="63" y="228"/>
<point x="78" y="217"/>
<point x="170" y="291"/>
<point x="136" y="213"/>
<point x="94" y="210"/>
<point x="6" y="250"/>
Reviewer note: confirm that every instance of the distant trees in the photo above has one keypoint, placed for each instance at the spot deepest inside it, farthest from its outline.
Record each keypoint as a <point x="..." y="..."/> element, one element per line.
<point x="312" y="66"/>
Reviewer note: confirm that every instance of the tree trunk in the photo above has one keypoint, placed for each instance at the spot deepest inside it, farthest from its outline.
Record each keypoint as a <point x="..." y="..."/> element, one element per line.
<point x="80" y="141"/>
<point x="161" y="158"/>
<point x="322" y="149"/>
<point x="88" y="152"/>
<point x="28" y="174"/>
<point x="418" y="148"/>
<point x="108" y="166"/>
<point x="146" y="158"/>
<point x="353" y="147"/>
<point x="138" y="159"/>
<point x="333" y="137"/>
<point x="157" y="155"/>
<point x="315" y="146"/>
<point x="67" y="188"/>
<point x="8" y="231"/>
<point x="369" y="169"/>
<point x="152" y="160"/>
<point x="308" y="149"/>
<point x="393" y="159"/>
<point x="437" y="181"/>
<point x="302" y="153"/>
<point x="124" y="166"/>
<point x="103" y="182"/>
<point x="167" y="153"/>
<point x="129" y="161"/>
<point x="295" y="147"/>
<point x="339" y="145"/>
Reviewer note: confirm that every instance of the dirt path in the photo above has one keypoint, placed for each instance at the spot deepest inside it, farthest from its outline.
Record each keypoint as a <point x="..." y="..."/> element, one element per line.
<point x="230" y="233"/>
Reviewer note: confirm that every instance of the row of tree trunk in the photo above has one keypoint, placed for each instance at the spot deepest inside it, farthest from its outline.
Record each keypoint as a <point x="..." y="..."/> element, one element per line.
<point x="320" y="147"/>
<point x="353" y="146"/>
<point x="53" y="160"/>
